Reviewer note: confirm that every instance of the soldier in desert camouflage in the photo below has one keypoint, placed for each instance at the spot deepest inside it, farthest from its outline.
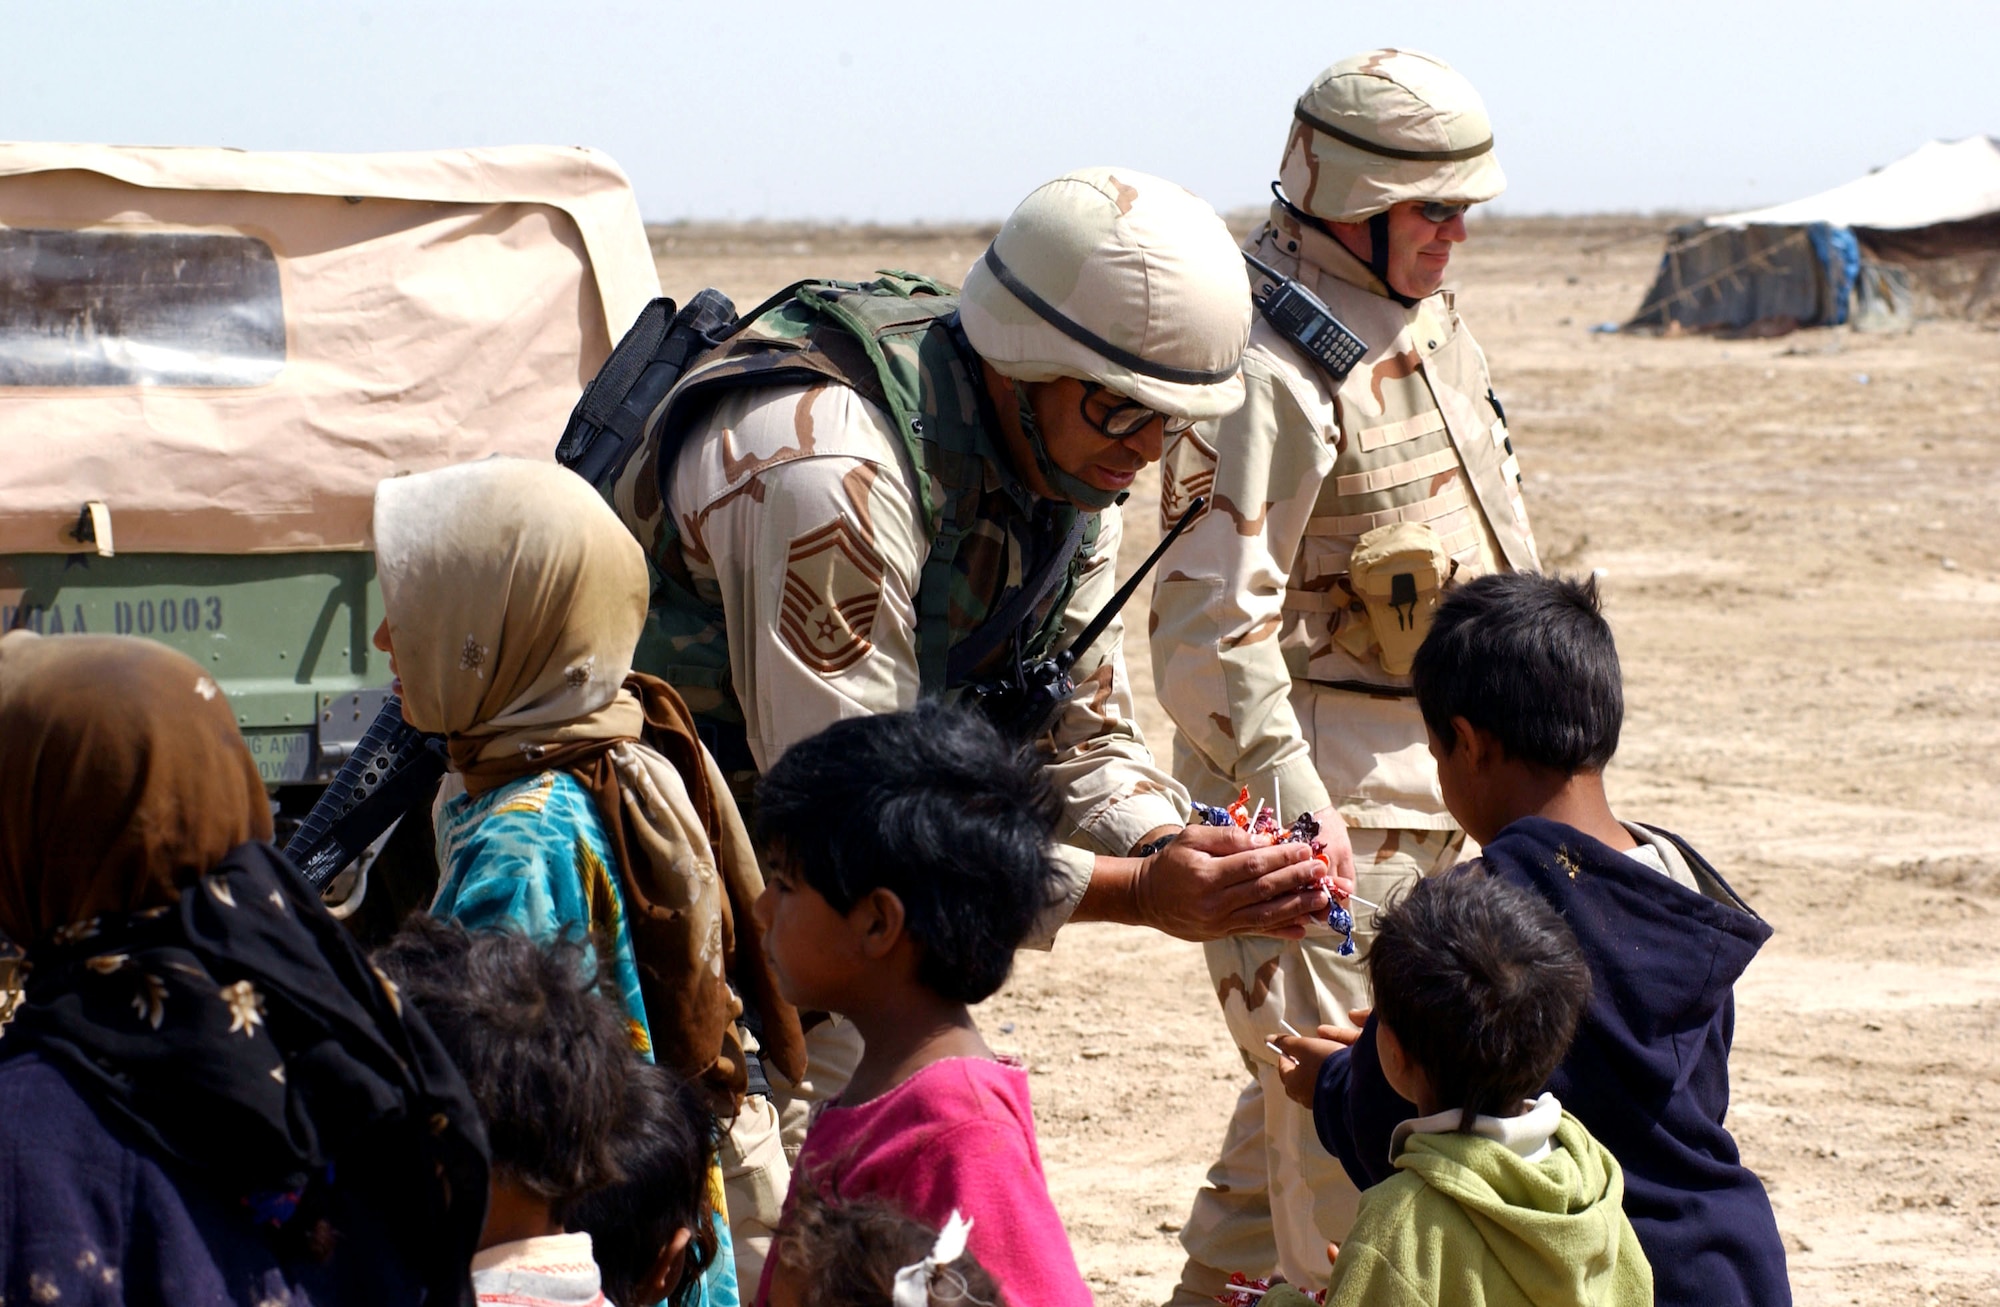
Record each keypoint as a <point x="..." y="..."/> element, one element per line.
<point x="894" y="489"/>
<point x="1285" y="618"/>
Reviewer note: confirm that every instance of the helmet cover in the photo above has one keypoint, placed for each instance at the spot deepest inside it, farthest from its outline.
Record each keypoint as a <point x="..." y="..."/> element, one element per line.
<point x="1384" y="127"/>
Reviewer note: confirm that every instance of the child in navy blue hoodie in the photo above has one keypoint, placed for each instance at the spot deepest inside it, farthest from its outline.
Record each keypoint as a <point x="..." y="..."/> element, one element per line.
<point x="1519" y="685"/>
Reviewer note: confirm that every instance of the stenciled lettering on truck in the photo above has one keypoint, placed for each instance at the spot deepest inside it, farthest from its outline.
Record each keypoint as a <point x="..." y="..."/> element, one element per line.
<point x="183" y="615"/>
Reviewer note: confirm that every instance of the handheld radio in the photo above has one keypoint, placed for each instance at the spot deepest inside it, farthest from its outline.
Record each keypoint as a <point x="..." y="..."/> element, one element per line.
<point x="1302" y="318"/>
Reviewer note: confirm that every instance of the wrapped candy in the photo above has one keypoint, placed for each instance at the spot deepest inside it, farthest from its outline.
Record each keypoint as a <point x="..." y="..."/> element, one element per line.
<point x="1248" y="1291"/>
<point x="1264" y="829"/>
<point x="1204" y="815"/>
<point x="1306" y="831"/>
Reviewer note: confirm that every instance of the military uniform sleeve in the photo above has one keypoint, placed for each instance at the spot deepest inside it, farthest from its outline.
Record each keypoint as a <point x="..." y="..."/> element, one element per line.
<point x="1218" y="605"/>
<point x="1113" y="792"/>
<point x="816" y="551"/>
<point x="1074" y="868"/>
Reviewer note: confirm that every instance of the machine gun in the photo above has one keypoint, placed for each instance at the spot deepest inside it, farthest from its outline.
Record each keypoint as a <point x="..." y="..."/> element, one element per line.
<point x="1024" y="703"/>
<point x="393" y="768"/>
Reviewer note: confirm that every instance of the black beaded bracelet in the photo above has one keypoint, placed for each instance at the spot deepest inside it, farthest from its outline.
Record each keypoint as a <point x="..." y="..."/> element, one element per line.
<point x="1151" y="847"/>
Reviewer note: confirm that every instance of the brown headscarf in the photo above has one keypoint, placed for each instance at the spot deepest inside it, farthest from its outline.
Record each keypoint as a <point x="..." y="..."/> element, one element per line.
<point x="122" y="779"/>
<point x="515" y="598"/>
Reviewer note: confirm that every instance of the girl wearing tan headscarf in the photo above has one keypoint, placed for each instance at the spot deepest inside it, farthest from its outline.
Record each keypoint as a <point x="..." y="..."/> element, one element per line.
<point x="514" y="599"/>
<point x="205" y="1091"/>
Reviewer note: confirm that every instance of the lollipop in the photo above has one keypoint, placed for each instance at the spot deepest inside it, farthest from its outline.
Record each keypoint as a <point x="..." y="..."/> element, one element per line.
<point x="1264" y="829"/>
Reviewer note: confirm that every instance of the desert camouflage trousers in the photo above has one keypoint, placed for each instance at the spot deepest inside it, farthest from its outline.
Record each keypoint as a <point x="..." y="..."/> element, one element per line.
<point x="1275" y="1198"/>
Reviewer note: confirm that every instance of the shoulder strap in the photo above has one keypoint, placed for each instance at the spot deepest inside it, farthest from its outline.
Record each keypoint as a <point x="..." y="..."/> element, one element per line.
<point x="897" y="303"/>
<point x="965" y="657"/>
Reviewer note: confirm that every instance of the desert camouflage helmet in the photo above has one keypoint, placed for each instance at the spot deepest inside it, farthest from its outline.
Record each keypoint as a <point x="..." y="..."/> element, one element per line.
<point x="1119" y="278"/>
<point x="1388" y="126"/>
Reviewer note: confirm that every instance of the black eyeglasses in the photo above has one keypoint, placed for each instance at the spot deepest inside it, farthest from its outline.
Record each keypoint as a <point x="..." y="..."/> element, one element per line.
<point x="1123" y="418"/>
<point x="1439" y="212"/>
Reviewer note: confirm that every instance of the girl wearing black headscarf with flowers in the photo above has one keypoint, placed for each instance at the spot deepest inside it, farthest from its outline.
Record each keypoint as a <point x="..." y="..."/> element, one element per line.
<point x="207" y="1095"/>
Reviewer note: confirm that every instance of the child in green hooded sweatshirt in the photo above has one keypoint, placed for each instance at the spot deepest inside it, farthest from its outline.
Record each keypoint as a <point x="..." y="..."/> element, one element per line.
<point x="1499" y="1199"/>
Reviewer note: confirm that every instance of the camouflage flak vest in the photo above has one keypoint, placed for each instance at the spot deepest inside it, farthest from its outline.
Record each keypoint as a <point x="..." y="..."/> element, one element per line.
<point x="896" y="341"/>
<point x="1422" y="441"/>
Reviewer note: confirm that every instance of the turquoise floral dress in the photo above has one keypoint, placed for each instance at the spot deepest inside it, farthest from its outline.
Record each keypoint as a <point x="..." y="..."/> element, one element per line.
<point x="533" y="856"/>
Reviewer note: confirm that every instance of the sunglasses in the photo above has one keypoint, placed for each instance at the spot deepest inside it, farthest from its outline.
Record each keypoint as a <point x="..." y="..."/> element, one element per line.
<point x="1119" y="417"/>
<point x="1440" y="213"/>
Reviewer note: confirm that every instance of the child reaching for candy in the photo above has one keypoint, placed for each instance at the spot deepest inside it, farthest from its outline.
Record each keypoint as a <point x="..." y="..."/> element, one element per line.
<point x="1520" y="688"/>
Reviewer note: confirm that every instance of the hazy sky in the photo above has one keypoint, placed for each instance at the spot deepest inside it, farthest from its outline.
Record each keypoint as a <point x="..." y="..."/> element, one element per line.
<point x="892" y="110"/>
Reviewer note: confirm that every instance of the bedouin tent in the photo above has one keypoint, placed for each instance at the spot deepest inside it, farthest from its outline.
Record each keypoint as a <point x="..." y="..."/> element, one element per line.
<point x="1839" y="255"/>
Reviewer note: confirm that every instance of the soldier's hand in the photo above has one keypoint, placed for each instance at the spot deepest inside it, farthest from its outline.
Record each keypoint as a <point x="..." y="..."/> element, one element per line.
<point x="1339" y="849"/>
<point x="1212" y="881"/>
<point x="1299" y="1060"/>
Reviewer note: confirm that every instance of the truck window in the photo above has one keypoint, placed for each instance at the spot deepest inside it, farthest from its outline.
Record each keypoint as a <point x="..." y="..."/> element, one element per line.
<point x="122" y="308"/>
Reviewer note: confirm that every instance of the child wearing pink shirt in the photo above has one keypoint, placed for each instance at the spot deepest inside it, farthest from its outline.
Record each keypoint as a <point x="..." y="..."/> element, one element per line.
<point x="908" y="858"/>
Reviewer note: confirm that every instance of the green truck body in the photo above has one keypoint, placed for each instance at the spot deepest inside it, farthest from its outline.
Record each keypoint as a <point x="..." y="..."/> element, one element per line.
<point x="285" y="635"/>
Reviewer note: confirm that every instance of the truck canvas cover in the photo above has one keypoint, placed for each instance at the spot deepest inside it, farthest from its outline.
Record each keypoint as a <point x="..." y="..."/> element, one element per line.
<point x="224" y="352"/>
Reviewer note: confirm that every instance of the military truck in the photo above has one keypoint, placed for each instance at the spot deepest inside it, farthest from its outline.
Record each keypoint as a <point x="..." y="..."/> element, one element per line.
<point x="209" y="358"/>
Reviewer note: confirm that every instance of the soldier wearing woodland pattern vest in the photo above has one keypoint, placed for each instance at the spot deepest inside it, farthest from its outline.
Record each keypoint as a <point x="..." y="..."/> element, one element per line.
<point x="1287" y="615"/>
<point x="890" y="490"/>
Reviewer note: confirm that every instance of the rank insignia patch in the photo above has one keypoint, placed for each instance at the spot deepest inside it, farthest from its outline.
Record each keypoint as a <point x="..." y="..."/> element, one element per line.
<point x="833" y="585"/>
<point x="1187" y="471"/>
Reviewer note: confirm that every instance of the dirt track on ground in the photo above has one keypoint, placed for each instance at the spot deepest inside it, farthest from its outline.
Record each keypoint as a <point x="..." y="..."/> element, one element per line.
<point x="1800" y="541"/>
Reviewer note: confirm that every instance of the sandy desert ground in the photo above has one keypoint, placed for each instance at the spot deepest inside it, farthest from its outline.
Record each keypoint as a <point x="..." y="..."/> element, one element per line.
<point x="1802" y="562"/>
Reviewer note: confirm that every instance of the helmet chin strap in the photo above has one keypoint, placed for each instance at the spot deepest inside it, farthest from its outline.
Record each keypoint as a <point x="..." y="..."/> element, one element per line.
<point x="1378" y="257"/>
<point x="1073" y="488"/>
<point x="1378" y="241"/>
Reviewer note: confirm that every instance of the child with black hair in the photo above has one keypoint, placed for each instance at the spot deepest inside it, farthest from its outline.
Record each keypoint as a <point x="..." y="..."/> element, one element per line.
<point x="1499" y="1198"/>
<point x="1519" y="686"/>
<point x="548" y="1063"/>
<point x="653" y="1232"/>
<point x="865" y="1253"/>
<point x="907" y="858"/>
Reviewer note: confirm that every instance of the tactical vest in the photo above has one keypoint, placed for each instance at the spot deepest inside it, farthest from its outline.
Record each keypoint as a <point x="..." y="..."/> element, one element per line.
<point x="896" y="341"/>
<point x="1422" y="440"/>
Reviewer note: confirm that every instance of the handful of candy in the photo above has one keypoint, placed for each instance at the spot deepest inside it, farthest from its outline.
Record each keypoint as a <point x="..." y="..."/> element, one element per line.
<point x="1243" y="1291"/>
<point x="1264" y="829"/>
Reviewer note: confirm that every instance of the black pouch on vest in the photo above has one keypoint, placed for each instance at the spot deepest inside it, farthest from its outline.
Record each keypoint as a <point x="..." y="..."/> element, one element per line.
<point x="625" y="395"/>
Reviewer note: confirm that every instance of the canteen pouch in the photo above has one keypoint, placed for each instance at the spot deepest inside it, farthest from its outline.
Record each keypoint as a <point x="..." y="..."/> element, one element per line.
<point x="1398" y="573"/>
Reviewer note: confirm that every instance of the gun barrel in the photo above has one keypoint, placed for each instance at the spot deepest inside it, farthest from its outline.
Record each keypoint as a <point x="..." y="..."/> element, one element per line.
<point x="393" y="767"/>
<point x="1088" y="636"/>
